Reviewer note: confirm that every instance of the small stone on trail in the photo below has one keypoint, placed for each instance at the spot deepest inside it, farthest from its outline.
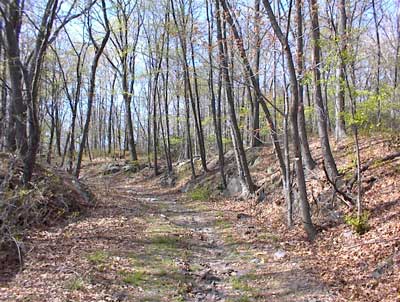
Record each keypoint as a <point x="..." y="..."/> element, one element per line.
<point x="119" y="296"/>
<point x="279" y="254"/>
<point x="208" y="276"/>
<point x="243" y="216"/>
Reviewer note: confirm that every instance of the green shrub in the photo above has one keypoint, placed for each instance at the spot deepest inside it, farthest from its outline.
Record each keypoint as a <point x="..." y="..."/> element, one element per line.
<point x="75" y="284"/>
<point x="97" y="257"/>
<point x="132" y="278"/>
<point x="200" y="193"/>
<point x="358" y="224"/>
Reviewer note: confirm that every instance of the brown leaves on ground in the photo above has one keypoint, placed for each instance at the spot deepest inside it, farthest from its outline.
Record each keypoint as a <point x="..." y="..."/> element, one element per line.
<point x="143" y="242"/>
<point x="357" y="267"/>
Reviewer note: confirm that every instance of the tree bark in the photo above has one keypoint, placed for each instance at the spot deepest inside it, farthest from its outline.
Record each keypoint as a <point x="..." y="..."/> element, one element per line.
<point x="110" y="114"/>
<point x="293" y="111"/>
<point x="329" y="161"/>
<point x="255" y="129"/>
<point x="244" y="171"/>
<point x="214" y="109"/>
<point x="305" y="147"/>
<point x="379" y="59"/>
<point x="92" y="85"/>
<point x="340" y="129"/>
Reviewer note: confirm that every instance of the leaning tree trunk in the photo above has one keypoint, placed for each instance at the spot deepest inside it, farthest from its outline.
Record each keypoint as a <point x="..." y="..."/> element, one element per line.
<point x="329" y="161"/>
<point x="92" y="85"/>
<point x="239" y="149"/>
<point x="293" y="116"/>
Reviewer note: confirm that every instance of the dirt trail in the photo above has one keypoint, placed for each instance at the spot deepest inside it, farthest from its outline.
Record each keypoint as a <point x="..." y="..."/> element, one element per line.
<point x="143" y="243"/>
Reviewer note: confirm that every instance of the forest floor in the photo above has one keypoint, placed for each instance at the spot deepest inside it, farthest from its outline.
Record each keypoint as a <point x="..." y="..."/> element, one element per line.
<point x="142" y="242"/>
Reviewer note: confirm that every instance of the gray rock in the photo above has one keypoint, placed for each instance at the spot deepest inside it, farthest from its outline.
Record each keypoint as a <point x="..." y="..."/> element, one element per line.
<point x="209" y="277"/>
<point x="112" y="169"/>
<point x="279" y="254"/>
<point x="243" y="216"/>
<point x="130" y="168"/>
<point x="234" y="186"/>
<point x="119" y="296"/>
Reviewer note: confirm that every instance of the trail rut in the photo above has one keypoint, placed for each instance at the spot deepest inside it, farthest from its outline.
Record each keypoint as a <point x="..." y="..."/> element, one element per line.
<point x="144" y="243"/>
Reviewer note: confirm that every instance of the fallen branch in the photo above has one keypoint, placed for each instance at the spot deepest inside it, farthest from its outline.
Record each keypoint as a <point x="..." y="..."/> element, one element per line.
<point x="365" y="167"/>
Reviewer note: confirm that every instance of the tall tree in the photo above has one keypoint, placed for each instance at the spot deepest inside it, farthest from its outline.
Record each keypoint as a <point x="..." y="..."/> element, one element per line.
<point x="92" y="82"/>
<point x="321" y="110"/>
<point x="293" y="116"/>
<point x="243" y="168"/>
<point x="340" y="129"/>
<point x="125" y="44"/>
<point x="215" y="102"/>
<point x="305" y="148"/>
<point x="181" y="21"/>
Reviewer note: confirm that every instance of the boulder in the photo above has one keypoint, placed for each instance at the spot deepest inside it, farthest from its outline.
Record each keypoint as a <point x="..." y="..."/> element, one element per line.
<point x="131" y="168"/>
<point x="112" y="169"/>
<point x="234" y="186"/>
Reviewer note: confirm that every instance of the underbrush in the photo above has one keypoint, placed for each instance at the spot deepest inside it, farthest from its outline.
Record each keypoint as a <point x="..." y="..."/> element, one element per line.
<point x="359" y="224"/>
<point x="52" y="196"/>
<point x="200" y="193"/>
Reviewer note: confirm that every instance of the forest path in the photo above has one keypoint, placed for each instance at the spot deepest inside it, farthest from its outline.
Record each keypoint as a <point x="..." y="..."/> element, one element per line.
<point x="145" y="243"/>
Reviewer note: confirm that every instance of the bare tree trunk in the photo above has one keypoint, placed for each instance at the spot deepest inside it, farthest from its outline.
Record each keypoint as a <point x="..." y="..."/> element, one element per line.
<point x="16" y="128"/>
<point x="197" y="112"/>
<point x="329" y="161"/>
<point x="250" y="75"/>
<point x="214" y="109"/>
<point x="110" y="124"/>
<point x="305" y="147"/>
<point x="255" y="129"/>
<point x="67" y="141"/>
<point x="155" y="133"/>
<point x="3" y="95"/>
<point x="92" y="84"/>
<point x="166" y="105"/>
<point x="239" y="149"/>
<point x="293" y="111"/>
<point x="129" y="124"/>
<point x="379" y="58"/>
<point x="340" y="129"/>
<point x="194" y="102"/>
<point x="58" y="129"/>
<point x="50" y="146"/>
<point x="188" y="136"/>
